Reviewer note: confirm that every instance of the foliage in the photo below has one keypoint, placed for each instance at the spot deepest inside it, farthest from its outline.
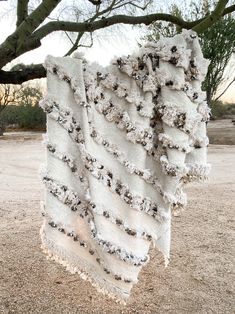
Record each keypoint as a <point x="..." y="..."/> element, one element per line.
<point x="27" y="117"/>
<point x="218" y="45"/>
<point x="217" y="42"/>
<point x="221" y="110"/>
<point x="30" y="95"/>
<point x="23" y="109"/>
<point x="22" y="95"/>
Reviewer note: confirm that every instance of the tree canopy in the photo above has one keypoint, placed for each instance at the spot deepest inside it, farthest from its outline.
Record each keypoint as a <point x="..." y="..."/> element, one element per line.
<point x="217" y="42"/>
<point x="19" y="106"/>
<point x="34" y="23"/>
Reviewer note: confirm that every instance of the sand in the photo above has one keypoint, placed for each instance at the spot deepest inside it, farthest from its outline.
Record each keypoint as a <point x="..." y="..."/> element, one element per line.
<point x="199" y="279"/>
<point x="222" y="132"/>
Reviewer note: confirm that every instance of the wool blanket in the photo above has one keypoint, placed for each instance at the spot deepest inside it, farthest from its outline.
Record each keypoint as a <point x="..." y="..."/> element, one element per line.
<point x="121" y="143"/>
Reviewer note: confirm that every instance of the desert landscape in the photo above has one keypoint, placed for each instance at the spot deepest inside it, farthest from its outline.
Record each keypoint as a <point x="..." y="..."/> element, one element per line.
<point x="199" y="279"/>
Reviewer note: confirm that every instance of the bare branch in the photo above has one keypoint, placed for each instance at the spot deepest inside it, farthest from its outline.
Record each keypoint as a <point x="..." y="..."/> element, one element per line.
<point x="39" y="15"/>
<point x="198" y="25"/>
<point x="30" y="72"/>
<point x="98" y="13"/>
<point x="212" y="18"/>
<point x="9" y="94"/>
<point x="229" y="9"/>
<point x="95" y="2"/>
<point x="75" y="44"/>
<point x="224" y="91"/>
<point x="91" y="42"/>
<point x="29" y="34"/>
<point x="69" y="38"/>
<point x="22" y="11"/>
<point x="18" y="42"/>
<point x="106" y="22"/>
<point x="144" y="7"/>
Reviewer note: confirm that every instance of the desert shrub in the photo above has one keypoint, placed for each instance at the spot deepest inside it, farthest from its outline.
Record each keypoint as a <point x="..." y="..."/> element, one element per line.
<point x="220" y="110"/>
<point x="31" y="117"/>
<point x="9" y="115"/>
<point x="24" y="116"/>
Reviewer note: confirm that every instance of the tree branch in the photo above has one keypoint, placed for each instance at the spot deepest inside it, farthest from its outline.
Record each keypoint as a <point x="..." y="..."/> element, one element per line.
<point x="212" y="18"/>
<point x="229" y="10"/>
<point x="37" y="16"/>
<point x="29" y="34"/>
<point x="29" y="72"/>
<point x="22" y="11"/>
<point x="198" y="25"/>
<point x="18" y="42"/>
<point x="95" y="2"/>
<point x="225" y="89"/>
<point x="113" y="6"/>
<point x="106" y="22"/>
<point x="75" y="45"/>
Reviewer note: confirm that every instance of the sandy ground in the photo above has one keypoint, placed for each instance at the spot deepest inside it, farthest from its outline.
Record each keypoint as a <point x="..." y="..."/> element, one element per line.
<point x="199" y="279"/>
<point x="221" y="132"/>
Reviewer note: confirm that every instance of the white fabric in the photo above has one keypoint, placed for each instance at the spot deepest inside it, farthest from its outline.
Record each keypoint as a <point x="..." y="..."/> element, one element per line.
<point x="121" y="142"/>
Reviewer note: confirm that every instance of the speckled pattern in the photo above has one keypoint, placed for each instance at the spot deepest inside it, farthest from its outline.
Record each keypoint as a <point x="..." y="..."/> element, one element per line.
<point x="136" y="132"/>
<point x="199" y="279"/>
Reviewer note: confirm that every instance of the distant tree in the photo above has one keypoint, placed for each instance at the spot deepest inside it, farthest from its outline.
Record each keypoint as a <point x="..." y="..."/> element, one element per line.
<point x="30" y="95"/>
<point x="26" y="99"/>
<point x="218" y="45"/>
<point x="31" y="115"/>
<point x="225" y="89"/>
<point x="217" y="42"/>
<point x="9" y="94"/>
<point x="19" y="95"/>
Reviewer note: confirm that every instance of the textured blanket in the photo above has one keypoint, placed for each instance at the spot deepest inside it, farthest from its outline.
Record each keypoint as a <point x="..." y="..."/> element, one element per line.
<point x="121" y="143"/>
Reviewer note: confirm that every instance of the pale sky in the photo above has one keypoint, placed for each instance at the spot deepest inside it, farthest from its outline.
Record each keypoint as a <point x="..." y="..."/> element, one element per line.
<point x="57" y="45"/>
<point x="102" y="51"/>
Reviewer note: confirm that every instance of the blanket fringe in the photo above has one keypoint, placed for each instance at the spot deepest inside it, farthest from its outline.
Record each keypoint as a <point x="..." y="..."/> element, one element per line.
<point x="57" y="254"/>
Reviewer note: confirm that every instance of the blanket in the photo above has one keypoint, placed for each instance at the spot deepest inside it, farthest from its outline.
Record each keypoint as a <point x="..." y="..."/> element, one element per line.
<point x="121" y="143"/>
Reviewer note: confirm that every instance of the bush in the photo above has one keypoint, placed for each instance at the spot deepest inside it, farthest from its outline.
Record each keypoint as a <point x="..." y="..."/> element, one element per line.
<point x="220" y="110"/>
<point x="31" y="117"/>
<point x="24" y="116"/>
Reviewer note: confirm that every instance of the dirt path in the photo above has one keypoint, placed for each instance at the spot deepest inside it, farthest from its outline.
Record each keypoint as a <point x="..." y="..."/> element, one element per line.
<point x="221" y="132"/>
<point x="199" y="279"/>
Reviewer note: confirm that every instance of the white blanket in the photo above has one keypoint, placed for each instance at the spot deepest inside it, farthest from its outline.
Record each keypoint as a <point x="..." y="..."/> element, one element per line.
<point x="121" y="142"/>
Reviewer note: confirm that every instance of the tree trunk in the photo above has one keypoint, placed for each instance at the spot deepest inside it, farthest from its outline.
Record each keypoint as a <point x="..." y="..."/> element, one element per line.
<point x="2" y="129"/>
<point x="208" y="97"/>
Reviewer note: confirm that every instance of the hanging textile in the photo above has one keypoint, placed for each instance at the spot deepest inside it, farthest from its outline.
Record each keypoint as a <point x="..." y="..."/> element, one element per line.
<point x="121" y="142"/>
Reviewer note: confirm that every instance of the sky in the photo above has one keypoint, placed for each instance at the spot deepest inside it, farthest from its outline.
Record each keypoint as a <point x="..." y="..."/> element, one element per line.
<point x="102" y="51"/>
<point x="104" y="48"/>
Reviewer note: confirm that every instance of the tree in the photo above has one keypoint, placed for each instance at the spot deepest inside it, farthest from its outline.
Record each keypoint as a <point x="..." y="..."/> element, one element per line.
<point x="35" y="24"/>
<point x="21" y="96"/>
<point x="217" y="42"/>
<point x="218" y="45"/>
<point x="30" y="95"/>
<point x="24" y="96"/>
<point x="9" y="94"/>
<point x="31" y="115"/>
